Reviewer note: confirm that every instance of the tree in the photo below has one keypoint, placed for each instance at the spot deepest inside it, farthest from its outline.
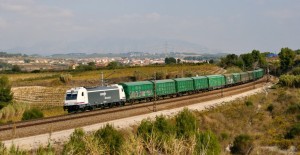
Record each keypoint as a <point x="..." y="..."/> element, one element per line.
<point x="255" y="55"/>
<point x="5" y="91"/>
<point x="247" y="61"/>
<point x="170" y="60"/>
<point x="113" y="65"/>
<point x="286" y="57"/>
<point x="229" y="60"/>
<point x="16" y="68"/>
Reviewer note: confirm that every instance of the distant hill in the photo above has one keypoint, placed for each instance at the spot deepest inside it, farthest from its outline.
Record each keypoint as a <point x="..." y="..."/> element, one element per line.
<point x="114" y="45"/>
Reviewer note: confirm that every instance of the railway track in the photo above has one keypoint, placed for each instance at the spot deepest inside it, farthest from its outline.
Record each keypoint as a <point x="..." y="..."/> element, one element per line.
<point x="51" y="124"/>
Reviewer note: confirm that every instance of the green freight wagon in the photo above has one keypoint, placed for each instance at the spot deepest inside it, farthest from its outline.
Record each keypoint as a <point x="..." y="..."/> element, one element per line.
<point x="200" y="82"/>
<point x="261" y="73"/>
<point x="138" y="90"/>
<point x="244" y="77"/>
<point x="164" y="87"/>
<point x="258" y="73"/>
<point x="184" y="84"/>
<point x="229" y="79"/>
<point x="251" y="76"/>
<point x="216" y="81"/>
<point x="236" y="77"/>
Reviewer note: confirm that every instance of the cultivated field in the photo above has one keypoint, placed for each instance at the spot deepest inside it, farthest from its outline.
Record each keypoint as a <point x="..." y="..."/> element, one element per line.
<point x="45" y="90"/>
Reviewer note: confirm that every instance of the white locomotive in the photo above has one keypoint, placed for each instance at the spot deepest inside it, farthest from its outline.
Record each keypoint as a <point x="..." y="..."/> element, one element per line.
<point x="81" y="98"/>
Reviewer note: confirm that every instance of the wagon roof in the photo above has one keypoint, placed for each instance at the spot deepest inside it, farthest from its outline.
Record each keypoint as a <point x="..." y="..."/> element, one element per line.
<point x="163" y="81"/>
<point x="199" y="77"/>
<point x="219" y="75"/>
<point x="183" y="79"/>
<point x="136" y="83"/>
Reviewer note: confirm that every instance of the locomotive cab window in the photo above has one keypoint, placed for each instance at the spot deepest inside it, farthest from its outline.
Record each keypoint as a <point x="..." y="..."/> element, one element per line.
<point x="71" y="96"/>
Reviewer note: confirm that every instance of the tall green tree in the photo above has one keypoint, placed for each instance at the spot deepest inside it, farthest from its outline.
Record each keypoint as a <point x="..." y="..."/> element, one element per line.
<point x="286" y="57"/>
<point x="170" y="60"/>
<point x="255" y="54"/>
<point x="6" y="95"/>
<point x="248" y="61"/>
<point x="114" y="65"/>
<point x="16" y="68"/>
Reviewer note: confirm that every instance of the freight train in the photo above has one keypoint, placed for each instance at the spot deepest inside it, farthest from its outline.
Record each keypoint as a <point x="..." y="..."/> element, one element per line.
<point x="82" y="99"/>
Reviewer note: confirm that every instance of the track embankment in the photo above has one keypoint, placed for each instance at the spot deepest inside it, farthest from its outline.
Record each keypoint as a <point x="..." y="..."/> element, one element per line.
<point x="59" y="123"/>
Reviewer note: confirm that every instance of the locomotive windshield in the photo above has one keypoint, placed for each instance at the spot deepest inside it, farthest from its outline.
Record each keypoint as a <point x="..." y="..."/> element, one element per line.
<point x="71" y="96"/>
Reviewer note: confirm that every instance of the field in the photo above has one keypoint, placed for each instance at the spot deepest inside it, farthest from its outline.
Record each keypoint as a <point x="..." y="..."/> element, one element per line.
<point x="46" y="92"/>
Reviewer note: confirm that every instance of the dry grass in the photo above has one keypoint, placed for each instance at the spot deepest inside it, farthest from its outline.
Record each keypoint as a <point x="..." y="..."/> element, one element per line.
<point x="267" y="128"/>
<point x="117" y="75"/>
<point x="46" y="92"/>
<point x="13" y="112"/>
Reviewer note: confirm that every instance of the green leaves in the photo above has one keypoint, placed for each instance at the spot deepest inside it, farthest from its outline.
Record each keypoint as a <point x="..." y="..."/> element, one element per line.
<point x="286" y="57"/>
<point x="5" y="91"/>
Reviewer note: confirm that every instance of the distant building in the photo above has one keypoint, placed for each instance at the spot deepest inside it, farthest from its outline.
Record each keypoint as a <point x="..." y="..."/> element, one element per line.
<point x="272" y="55"/>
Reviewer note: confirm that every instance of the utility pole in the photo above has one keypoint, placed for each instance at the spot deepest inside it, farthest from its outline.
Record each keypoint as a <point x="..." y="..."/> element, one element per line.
<point x="102" y="77"/>
<point x="102" y="80"/>
<point x="154" y="89"/>
<point x="268" y="73"/>
<point x="154" y="103"/>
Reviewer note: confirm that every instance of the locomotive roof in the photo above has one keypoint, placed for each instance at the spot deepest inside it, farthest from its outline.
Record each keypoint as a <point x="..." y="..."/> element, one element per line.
<point x="101" y="88"/>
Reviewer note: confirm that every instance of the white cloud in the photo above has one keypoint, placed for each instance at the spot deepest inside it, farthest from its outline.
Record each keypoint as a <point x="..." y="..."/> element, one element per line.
<point x="32" y="9"/>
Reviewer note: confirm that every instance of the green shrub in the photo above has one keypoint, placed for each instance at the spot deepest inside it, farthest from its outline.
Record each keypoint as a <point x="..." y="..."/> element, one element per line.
<point x="293" y="108"/>
<point x="186" y="124"/>
<point x="163" y="129"/>
<point x="65" y="78"/>
<point x="270" y="108"/>
<point x="3" y="149"/>
<point x="242" y="144"/>
<point x="248" y="103"/>
<point x="296" y="71"/>
<point x="207" y="143"/>
<point x="294" y="131"/>
<point x="290" y="80"/>
<point x="145" y="129"/>
<point x="298" y="117"/>
<point x="224" y="136"/>
<point x="16" y="151"/>
<point x="45" y="151"/>
<point x="112" y="139"/>
<point x="6" y="95"/>
<point x="158" y="132"/>
<point x="76" y="144"/>
<point x="32" y="114"/>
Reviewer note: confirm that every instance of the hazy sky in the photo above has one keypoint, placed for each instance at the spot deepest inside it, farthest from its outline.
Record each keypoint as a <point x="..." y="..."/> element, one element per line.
<point x="226" y="25"/>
